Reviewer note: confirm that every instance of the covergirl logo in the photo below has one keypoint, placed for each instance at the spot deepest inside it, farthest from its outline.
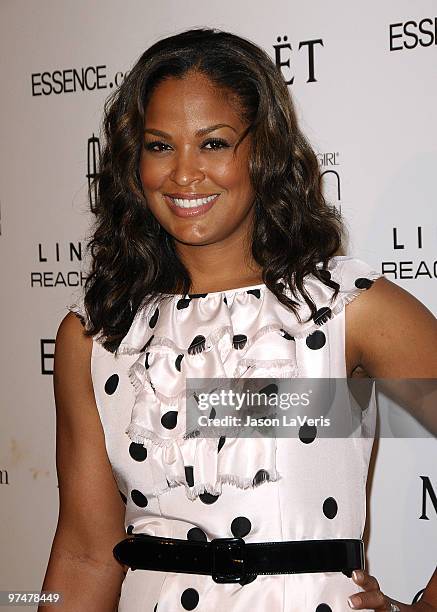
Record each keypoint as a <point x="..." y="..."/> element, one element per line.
<point x="330" y="173"/>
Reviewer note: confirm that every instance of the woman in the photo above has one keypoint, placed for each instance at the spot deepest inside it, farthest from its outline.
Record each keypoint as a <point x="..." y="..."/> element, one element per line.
<point x="214" y="254"/>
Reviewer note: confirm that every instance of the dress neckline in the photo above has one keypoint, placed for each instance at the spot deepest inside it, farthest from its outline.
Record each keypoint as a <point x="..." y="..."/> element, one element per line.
<point x="222" y="292"/>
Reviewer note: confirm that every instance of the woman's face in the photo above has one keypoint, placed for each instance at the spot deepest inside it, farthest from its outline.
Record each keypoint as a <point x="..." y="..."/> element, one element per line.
<point x="190" y="134"/>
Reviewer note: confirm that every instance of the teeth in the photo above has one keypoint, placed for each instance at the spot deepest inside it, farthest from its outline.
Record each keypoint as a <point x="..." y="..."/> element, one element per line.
<point x="185" y="203"/>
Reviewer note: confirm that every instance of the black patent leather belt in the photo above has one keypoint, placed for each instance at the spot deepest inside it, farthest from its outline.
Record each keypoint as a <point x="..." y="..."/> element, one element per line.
<point x="232" y="560"/>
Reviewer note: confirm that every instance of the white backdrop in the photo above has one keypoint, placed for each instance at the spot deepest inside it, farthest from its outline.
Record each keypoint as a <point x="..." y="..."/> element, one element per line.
<point x="367" y="103"/>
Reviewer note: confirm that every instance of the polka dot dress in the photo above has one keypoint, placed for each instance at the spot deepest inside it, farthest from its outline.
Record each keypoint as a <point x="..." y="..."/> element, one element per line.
<point x="260" y="489"/>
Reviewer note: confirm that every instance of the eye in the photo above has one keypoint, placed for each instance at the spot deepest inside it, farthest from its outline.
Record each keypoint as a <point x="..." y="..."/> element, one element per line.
<point x="150" y="146"/>
<point x="218" y="143"/>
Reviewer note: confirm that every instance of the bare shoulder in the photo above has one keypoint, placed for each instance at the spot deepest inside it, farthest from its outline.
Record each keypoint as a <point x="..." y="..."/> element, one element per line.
<point x="390" y="333"/>
<point x="72" y="346"/>
<point x="91" y="516"/>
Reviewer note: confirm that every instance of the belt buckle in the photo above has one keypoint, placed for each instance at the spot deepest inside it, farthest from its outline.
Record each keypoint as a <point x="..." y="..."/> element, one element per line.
<point x="227" y="559"/>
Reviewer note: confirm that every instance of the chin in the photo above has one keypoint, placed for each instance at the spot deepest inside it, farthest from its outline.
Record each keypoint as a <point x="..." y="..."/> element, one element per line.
<point x="195" y="240"/>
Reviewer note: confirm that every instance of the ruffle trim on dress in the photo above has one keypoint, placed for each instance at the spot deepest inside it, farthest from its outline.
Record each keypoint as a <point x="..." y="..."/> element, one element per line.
<point x="236" y="481"/>
<point x="216" y="489"/>
<point x="156" y="418"/>
<point x="173" y="471"/>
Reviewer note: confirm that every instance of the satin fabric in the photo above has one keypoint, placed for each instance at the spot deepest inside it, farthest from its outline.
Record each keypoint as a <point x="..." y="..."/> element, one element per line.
<point x="261" y="489"/>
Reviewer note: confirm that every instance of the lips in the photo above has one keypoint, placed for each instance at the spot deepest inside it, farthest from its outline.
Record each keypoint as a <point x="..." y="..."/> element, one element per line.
<point x="192" y="211"/>
<point x="189" y="196"/>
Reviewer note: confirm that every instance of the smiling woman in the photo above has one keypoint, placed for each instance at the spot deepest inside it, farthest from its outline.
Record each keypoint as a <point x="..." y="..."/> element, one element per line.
<point x="196" y="170"/>
<point x="191" y="120"/>
<point x="215" y="256"/>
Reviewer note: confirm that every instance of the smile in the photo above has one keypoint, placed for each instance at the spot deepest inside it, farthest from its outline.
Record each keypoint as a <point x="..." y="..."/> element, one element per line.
<point x="192" y="203"/>
<point x="191" y="206"/>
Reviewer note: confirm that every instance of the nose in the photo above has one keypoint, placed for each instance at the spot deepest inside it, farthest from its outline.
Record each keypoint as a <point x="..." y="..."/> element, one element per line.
<point x="186" y="168"/>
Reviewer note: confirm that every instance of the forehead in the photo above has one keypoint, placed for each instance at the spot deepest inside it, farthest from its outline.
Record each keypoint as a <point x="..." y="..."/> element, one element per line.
<point x="193" y="99"/>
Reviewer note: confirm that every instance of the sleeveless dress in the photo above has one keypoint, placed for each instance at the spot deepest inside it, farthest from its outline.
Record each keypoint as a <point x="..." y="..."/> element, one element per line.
<point x="305" y="487"/>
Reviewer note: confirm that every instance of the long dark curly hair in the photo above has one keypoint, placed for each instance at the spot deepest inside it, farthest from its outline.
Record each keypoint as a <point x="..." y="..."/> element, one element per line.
<point x="133" y="259"/>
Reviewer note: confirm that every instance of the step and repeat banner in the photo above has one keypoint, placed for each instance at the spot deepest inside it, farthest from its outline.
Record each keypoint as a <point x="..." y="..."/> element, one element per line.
<point x="363" y="79"/>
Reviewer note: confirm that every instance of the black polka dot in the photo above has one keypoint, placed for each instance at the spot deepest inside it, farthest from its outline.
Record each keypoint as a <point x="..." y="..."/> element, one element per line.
<point x="271" y="389"/>
<point x="129" y="529"/>
<point x="111" y="384"/>
<point x="208" y="498"/>
<point x="138" y="498"/>
<point x="260" y="477"/>
<point x="137" y="451"/>
<point x="316" y="340"/>
<point x="146" y="361"/>
<point x="363" y="283"/>
<point x="225" y="300"/>
<point x="189" y="475"/>
<point x="221" y="441"/>
<point x="239" y="341"/>
<point x="285" y="334"/>
<point x="213" y="413"/>
<point x="323" y="608"/>
<point x="123" y="497"/>
<point x="197" y="345"/>
<point x="189" y="599"/>
<point x="146" y="346"/>
<point x="197" y="535"/>
<point x="177" y="363"/>
<point x="197" y="295"/>
<point x="307" y="433"/>
<point x="183" y="303"/>
<point x="330" y="507"/>
<point x="255" y="292"/>
<point x="322" y="315"/>
<point x="169" y="419"/>
<point x="154" y="318"/>
<point x="241" y="526"/>
<point x="155" y="608"/>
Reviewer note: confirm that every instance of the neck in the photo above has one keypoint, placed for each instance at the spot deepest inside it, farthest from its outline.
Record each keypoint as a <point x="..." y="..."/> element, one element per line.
<point x="219" y="266"/>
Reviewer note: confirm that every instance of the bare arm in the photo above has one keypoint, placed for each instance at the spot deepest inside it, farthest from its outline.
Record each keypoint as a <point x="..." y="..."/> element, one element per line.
<point x="91" y="512"/>
<point x="393" y="335"/>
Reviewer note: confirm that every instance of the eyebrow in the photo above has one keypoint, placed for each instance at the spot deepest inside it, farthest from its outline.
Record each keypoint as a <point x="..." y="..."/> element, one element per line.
<point x="200" y="132"/>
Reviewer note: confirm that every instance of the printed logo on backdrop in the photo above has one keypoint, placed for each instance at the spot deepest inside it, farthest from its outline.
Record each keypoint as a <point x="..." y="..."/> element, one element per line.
<point x="412" y="238"/>
<point x="413" y="33"/>
<point x="74" y="80"/>
<point x="428" y="493"/>
<point x="285" y="53"/>
<point x="4" y="477"/>
<point x="330" y="174"/>
<point x="53" y="260"/>
<point x="93" y="164"/>
<point x="94" y="78"/>
<point x="47" y="355"/>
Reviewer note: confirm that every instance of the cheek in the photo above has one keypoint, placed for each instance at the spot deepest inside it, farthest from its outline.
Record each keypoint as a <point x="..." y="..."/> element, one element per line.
<point x="152" y="174"/>
<point x="231" y="174"/>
